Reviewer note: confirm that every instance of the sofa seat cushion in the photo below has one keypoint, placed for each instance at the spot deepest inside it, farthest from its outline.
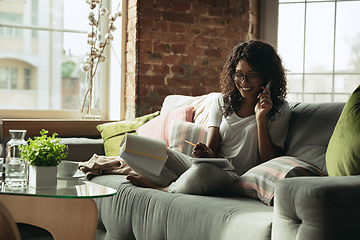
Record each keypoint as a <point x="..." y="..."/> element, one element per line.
<point x="142" y="213"/>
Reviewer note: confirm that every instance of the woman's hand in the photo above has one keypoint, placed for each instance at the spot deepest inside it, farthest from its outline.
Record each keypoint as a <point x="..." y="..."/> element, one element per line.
<point x="264" y="105"/>
<point x="201" y="151"/>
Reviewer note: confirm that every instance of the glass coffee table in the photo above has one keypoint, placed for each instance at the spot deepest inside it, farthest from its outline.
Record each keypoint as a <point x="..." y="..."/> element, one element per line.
<point x="67" y="211"/>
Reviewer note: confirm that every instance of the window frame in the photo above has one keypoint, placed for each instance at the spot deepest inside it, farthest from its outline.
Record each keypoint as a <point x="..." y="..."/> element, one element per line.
<point x="269" y="19"/>
<point x="105" y="81"/>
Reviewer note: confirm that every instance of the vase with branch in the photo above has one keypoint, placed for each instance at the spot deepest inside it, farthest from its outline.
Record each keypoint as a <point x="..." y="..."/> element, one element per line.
<point x="97" y="44"/>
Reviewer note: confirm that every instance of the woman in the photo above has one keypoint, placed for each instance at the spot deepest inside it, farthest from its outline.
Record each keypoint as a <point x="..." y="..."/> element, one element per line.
<point x="247" y="125"/>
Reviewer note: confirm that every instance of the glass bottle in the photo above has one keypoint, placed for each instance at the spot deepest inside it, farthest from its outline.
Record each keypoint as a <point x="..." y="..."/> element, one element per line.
<point x="16" y="169"/>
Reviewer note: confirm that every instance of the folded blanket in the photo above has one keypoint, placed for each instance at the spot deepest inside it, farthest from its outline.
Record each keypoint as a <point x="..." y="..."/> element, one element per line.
<point x="100" y="165"/>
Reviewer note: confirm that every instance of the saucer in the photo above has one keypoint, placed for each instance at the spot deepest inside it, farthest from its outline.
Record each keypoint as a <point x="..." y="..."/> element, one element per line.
<point x="76" y="176"/>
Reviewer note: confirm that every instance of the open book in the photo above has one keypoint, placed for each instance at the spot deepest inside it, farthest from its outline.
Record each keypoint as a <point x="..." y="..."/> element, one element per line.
<point x="144" y="152"/>
<point x="222" y="163"/>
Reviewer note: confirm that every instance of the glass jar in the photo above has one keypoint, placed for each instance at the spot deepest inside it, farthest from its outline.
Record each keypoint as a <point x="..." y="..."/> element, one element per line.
<point x="16" y="169"/>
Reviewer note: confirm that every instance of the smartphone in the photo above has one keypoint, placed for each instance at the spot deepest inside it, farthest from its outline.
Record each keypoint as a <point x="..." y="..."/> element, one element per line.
<point x="268" y="86"/>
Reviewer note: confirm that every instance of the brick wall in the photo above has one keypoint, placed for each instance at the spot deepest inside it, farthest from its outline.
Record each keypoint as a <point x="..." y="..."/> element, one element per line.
<point x="180" y="46"/>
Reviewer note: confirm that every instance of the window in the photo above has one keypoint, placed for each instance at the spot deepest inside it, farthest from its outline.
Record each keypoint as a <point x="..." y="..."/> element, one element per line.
<point x="8" y="78"/>
<point x="319" y="42"/>
<point x="43" y="44"/>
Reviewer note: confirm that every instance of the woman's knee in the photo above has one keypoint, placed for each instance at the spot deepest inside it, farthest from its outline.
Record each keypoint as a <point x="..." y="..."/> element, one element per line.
<point x="202" y="179"/>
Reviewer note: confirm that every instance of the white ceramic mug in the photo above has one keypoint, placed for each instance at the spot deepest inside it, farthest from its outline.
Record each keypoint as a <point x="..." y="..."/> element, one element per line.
<point x="67" y="168"/>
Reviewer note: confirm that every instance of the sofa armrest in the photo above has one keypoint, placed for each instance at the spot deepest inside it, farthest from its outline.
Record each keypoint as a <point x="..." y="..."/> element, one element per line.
<point x="317" y="208"/>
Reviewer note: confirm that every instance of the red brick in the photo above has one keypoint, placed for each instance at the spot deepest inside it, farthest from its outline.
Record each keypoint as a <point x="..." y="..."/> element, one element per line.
<point x="144" y="68"/>
<point x="161" y="48"/>
<point x="188" y="91"/>
<point x="177" y="70"/>
<point x="182" y="82"/>
<point x="174" y="38"/>
<point x="178" y="17"/>
<point x="151" y="80"/>
<point x="146" y="3"/>
<point x="177" y="28"/>
<point x="182" y="6"/>
<point x="211" y="32"/>
<point x="178" y="48"/>
<point x="198" y="70"/>
<point x="216" y="62"/>
<point x="164" y="5"/>
<point x="219" y="3"/>
<point x="145" y="46"/>
<point x="211" y="42"/>
<point x="161" y="69"/>
<point x="153" y="14"/>
<point x="161" y="26"/>
<point x="144" y="23"/>
<point x="161" y="90"/>
<point x="215" y="22"/>
<point x="176" y="60"/>
<point x="193" y="29"/>
<point x="150" y="57"/>
<point x="212" y="52"/>
<point x="199" y="8"/>
<point x="195" y="51"/>
<point x="149" y="35"/>
<point x="231" y="13"/>
<point x="225" y="52"/>
<point x="211" y="81"/>
<point x="216" y="12"/>
<point x="213" y="72"/>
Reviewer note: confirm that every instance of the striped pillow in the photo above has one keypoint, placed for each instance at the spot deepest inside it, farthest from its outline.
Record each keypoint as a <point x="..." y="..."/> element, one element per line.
<point x="259" y="182"/>
<point x="181" y="131"/>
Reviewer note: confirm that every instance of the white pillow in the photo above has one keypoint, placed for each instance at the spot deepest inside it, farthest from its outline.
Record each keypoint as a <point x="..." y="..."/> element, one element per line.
<point x="181" y="131"/>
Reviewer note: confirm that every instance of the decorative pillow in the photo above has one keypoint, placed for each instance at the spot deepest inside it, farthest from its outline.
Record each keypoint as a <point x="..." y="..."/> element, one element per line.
<point x="159" y="127"/>
<point x="113" y="133"/>
<point x="181" y="131"/>
<point x="343" y="152"/>
<point x="259" y="182"/>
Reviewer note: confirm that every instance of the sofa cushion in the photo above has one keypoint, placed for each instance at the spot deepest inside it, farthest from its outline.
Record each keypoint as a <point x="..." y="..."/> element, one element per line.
<point x="159" y="127"/>
<point x="181" y="131"/>
<point x="113" y="133"/>
<point x="343" y="152"/>
<point x="259" y="181"/>
<point x="310" y="130"/>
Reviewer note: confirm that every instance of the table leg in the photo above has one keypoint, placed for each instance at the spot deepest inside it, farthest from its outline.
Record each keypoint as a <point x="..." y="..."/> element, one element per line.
<point x="64" y="218"/>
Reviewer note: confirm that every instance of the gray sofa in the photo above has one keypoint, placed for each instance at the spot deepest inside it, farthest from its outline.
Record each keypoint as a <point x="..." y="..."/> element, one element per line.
<point x="304" y="207"/>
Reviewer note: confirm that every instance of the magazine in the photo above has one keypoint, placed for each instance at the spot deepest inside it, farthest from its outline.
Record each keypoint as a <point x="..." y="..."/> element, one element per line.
<point x="144" y="152"/>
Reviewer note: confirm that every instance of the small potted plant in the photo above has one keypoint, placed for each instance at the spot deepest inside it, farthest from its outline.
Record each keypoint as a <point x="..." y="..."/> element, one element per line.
<point x="43" y="154"/>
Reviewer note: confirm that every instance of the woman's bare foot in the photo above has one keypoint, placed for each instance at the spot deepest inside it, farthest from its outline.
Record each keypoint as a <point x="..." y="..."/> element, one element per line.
<point x="143" y="182"/>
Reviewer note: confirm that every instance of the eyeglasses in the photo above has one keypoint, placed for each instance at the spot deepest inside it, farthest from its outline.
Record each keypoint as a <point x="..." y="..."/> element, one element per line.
<point x="250" y="78"/>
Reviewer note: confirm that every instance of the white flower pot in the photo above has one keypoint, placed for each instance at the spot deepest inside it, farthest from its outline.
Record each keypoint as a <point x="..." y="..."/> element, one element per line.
<point x="42" y="177"/>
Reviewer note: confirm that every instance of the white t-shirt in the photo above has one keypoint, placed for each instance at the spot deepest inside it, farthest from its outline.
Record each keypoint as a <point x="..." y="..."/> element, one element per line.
<point x="239" y="141"/>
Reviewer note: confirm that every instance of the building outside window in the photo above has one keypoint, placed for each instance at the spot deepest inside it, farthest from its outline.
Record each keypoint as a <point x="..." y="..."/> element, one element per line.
<point x="319" y="42"/>
<point x="43" y="44"/>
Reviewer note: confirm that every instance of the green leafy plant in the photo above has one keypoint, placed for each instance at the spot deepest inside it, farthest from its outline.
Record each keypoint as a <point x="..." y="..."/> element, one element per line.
<point x="44" y="150"/>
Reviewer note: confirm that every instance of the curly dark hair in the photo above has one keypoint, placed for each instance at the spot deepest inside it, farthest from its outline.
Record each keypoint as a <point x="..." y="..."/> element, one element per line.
<point x="263" y="58"/>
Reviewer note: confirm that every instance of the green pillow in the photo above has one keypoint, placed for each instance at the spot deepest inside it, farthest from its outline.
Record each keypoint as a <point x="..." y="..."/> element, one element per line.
<point x="113" y="133"/>
<point x="343" y="152"/>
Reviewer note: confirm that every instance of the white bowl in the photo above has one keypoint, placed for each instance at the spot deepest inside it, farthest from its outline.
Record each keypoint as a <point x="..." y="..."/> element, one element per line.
<point x="67" y="168"/>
